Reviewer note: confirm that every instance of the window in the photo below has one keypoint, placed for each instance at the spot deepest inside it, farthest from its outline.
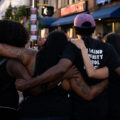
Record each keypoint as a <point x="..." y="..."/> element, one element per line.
<point x="68" y="2"/>
<point x="107" y="28"/>
<point x="73" y="1"/>
<point x="117" y="27"/>
<point x="45" y="1"/>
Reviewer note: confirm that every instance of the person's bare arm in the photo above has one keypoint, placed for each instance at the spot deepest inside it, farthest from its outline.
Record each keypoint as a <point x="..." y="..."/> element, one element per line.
<point x="55" y="72"/>
<point x="100" y="73"/>
<point x="24" y="55"/>
<point x="20" y="73"/>
<point x="87" y="92"/>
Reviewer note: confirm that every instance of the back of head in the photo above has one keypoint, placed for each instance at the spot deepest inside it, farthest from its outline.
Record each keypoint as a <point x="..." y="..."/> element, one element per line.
<point x="56" y="42"/>
<point x="84" y="24"/>
<point x="51" y="52"/>
<point x="114" y="40"/>
<point x="13" y="33"/>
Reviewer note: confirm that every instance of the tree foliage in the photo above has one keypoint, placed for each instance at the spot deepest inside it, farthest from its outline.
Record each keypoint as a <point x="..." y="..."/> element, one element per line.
<point x="8" y="13"/>
<point x="18" y="15"/>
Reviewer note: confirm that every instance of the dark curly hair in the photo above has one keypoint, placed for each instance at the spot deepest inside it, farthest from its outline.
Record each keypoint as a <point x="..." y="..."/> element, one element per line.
<point x="13" y="33"/>
<point x="114" y="40"/>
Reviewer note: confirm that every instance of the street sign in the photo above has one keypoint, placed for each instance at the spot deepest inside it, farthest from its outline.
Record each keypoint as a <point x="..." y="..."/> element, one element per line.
<point x="38" y="5"/>
<point x="47" y="11"/>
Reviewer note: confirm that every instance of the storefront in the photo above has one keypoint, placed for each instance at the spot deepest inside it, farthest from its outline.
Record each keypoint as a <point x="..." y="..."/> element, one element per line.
<point x="107" y="19"/>
<point x="44" y="25"/>
<point x="67" y="15"/>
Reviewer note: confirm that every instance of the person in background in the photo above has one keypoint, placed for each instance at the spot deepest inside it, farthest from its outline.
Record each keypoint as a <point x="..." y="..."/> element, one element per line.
<point x="41" y="41"/>
<point x="98" y="36"/>
<point x="114" y="86"/>
<point x="44" y="39"/>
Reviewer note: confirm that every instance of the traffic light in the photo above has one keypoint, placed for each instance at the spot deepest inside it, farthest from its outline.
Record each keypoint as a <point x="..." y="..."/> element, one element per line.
<point x="47" y="11"/>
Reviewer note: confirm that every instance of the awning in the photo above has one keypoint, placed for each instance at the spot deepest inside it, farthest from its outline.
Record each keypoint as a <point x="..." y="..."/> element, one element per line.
<point x="47" y="21"/>
<point x="109" y="12"/>
<point x="64" y="20"/>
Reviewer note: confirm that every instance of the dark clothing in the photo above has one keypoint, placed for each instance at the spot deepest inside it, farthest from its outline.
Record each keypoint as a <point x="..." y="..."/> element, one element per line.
<point x="114" y="97"/>
<point x="101" y="55"/>
<point x="90" y="110"/>
<point x="48" y="118"/>
<point x="8" y="114"/>
<point x="52" y="104"/>
<point x="8" y="94"/>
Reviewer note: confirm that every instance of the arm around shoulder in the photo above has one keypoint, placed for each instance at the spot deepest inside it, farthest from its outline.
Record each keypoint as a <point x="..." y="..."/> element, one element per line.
<point x="24" y="55"/>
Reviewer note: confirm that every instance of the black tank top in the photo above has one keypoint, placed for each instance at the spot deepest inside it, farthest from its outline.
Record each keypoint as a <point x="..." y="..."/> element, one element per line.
<point x="8" y="93"/>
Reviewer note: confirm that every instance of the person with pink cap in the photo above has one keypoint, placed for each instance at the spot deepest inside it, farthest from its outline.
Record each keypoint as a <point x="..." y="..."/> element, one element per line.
<point x="104" y="58"/>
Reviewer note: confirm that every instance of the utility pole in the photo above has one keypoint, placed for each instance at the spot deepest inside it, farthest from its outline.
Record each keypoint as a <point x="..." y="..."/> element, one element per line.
<point x="33" y="23"/>
<point x="33" y="20"/>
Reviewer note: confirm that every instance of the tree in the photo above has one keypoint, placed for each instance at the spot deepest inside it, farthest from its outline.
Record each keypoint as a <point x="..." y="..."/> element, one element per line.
<point x="20" y="13"/>
<point x="8" y="13"/>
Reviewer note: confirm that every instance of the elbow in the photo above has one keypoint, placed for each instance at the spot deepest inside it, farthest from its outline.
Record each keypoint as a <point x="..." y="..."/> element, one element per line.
<point x="91" y="75"/>
<point x="89" y="97"/>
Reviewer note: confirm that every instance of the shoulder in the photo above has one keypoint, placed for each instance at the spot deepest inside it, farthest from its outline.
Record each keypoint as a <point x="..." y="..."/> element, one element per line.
<point x="71" y="46"/>
<point x="12" y="66"/>
<point x="102" y="44"/>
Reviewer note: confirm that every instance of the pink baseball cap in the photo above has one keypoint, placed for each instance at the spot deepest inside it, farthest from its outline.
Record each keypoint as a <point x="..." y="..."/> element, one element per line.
<point x="82" y="18"/>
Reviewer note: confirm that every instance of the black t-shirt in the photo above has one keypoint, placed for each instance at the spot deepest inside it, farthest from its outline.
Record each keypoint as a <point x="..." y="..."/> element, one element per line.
<point x="101" y="55"/>
<point x="114" y="97"/>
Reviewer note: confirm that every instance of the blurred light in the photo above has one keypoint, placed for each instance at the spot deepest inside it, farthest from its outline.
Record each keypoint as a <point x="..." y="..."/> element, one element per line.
<point x="21" y="21"/>
<point x="10" y="18"/>
<point x="99" y="19"/>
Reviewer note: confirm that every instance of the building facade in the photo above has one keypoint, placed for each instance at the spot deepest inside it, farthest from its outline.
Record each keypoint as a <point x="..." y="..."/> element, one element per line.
<point x="60" y="6"/>
<point x="105" y="12"/>
<point x="107" y="15"/>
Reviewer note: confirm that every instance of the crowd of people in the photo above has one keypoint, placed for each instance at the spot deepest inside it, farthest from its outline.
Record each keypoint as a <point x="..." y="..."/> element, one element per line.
<point x="64" y="80"/>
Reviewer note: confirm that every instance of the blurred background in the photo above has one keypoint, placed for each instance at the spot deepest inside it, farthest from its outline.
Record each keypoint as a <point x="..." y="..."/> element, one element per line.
<point x="43" y="16"/>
